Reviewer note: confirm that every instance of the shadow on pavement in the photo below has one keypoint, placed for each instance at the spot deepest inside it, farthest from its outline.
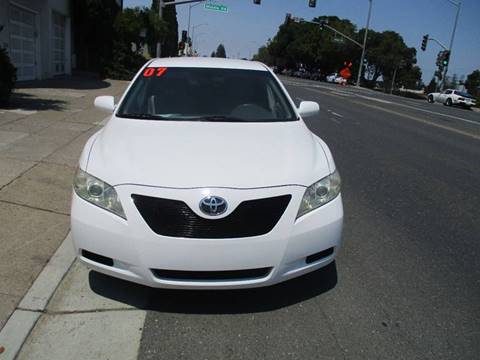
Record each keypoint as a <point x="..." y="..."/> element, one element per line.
<point x="216" y="301"/>
<point x="29" y="102"/>
<point x="65" y="82"/>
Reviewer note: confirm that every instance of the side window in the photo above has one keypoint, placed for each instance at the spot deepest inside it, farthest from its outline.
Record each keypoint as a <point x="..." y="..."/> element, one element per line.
<point x="448" y="92"/>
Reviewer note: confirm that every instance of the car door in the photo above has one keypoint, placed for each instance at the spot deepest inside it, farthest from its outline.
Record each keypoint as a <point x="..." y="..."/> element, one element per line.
<point x="444" y="96"/>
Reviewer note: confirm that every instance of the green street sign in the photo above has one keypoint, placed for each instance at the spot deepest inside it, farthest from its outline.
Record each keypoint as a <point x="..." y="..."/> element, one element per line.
<point x="216" y="7"/>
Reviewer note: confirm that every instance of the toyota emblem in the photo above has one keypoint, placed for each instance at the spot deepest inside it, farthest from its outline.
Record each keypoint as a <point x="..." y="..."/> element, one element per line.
<point x="213" y="205"/>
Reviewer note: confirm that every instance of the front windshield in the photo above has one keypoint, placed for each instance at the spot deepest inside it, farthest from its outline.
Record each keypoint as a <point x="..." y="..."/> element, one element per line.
<point x="206" y="94"/>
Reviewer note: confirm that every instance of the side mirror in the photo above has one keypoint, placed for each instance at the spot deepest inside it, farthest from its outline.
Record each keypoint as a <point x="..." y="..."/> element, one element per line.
<point x="308" y="108"/>
<point x="105" y="103"/>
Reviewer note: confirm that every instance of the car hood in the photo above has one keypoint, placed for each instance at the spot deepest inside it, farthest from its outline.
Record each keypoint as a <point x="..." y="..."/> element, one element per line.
<point x="186" y="154"/>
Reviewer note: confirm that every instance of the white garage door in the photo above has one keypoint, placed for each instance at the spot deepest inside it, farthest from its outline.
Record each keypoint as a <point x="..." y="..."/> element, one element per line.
<point x="22" y="42"/>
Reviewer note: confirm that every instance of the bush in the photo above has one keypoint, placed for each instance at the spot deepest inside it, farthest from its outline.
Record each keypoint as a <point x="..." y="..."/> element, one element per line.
<point x="125" y="62"/>
<point x="8" y="76"/>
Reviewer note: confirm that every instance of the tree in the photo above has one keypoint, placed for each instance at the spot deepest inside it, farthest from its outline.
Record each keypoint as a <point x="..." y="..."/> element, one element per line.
<point x="308" y="44"/>
<point x="386" y="51"/>
<point x="128" y="28"/>
<point x="473" y="83"/>
<point x="432" y="86"/>
<point x="409" y="77"/>
<point x="167" y="32"/>
<point x="93" y="33"/>
<point x="263" y="55"/>
<point x="221" y="53"/>
<point x="212" y="54"/>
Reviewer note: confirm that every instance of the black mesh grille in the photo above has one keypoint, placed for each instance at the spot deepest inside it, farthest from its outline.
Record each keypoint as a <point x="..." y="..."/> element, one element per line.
<point x="230" y="275"/>
<point x="174" y="218"/>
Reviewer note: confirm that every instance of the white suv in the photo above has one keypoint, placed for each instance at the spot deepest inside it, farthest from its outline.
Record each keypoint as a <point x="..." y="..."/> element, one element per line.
<point x="451" y="97"/>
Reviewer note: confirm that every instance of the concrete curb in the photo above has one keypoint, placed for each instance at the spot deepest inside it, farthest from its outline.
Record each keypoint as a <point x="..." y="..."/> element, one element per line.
<point x="42" y="289"/>
<point x="35" y="301"/>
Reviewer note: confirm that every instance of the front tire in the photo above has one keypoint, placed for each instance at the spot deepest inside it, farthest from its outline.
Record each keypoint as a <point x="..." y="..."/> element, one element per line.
<point x="430" y="99"/>
<point x="449" y="102"/>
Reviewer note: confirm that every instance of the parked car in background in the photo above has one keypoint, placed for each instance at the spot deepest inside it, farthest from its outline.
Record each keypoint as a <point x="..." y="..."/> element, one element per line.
<point x="316" y="75"/>
<point x="451" y="97"/>
<point x="335" y="78"/>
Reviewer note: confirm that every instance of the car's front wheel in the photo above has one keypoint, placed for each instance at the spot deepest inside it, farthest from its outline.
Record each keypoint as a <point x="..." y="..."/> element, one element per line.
<point x="449" y="102"/>
<point x="430" y="99"/>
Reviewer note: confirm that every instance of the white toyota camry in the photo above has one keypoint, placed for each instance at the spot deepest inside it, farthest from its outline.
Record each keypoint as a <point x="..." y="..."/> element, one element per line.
<point x="206" y="177"/>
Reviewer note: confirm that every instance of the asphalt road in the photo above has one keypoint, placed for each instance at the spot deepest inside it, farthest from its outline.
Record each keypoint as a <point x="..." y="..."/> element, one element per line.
<point x="406" y="284"/>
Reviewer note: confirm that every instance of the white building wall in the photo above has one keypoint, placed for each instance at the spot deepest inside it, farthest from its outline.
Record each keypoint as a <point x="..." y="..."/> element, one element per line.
<point x="43" y="10"/>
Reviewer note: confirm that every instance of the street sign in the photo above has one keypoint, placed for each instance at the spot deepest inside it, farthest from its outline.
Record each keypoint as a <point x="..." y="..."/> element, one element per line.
<point x="216" y="7"/>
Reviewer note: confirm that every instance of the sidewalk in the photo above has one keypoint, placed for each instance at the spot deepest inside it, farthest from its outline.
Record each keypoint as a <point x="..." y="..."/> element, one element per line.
<point x="41" y="137"/>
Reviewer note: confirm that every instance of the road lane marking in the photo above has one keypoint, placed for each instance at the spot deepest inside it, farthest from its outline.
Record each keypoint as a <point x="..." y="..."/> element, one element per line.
<point x="461" y="132"/>
<point x="338" y="94"/>
<point x="334" y="113"/>
<point x="412" y="117"/>
<point x="374" y="99"/>
<point x="342" y="93"/>
<point x="444" y="127"/>
<point x="441" y="114"/>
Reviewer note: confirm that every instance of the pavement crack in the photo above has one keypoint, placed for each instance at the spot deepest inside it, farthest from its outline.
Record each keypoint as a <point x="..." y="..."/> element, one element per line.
<point x="19" y="176"/>
<point x="90" y="311"/>
<point x="34" y="207"/>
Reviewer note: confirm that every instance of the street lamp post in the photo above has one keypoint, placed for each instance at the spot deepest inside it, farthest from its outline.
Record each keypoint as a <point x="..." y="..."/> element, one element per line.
<point x="190" y="15"/>
<point x="360" y="67"/>
<point x="458" y="5"/>
<point x="193" y="33"/>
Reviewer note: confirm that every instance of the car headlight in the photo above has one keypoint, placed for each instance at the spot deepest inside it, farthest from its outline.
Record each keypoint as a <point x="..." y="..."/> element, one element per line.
<point x="320" y="193"/>
<point x="97" y="192"/>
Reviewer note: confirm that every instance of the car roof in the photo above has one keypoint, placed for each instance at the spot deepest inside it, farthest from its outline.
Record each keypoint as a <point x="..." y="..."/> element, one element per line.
<point x="206" y="62"/>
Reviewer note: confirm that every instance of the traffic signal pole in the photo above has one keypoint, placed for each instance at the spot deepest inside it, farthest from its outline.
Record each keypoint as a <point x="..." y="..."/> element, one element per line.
<point x="458" y="5"/>
<point x="161" y="5"/>
<point x="360" y="67"/>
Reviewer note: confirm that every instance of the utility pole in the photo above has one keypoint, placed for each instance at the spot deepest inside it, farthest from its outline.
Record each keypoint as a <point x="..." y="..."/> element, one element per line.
<point x="160" y="15"/>
<point x="393" y="79"/>
<point x="360" y="68"/>
<point x="458" y="5"/>
<point x="190" y="15"/>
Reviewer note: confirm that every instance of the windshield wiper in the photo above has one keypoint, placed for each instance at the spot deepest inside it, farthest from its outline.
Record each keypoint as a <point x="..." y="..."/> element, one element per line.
<point x="219" y="118"/>
<point x="142" y="116"/>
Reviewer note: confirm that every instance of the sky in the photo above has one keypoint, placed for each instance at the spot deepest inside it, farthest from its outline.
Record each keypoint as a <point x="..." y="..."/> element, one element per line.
<point x="247" y="26"/>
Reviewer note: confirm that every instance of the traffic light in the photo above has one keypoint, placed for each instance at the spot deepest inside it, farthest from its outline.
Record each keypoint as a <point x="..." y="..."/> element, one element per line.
<point x="288" y="18"/>
<point x="446" y="58"/>
<point x="312" y="3"/>
<point x="424" y="42"/>
<point x="257" y="2"/>
<point x="439" y="62"/>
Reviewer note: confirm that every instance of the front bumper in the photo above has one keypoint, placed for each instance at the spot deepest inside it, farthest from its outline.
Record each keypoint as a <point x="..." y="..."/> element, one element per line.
<point x="136" y="251"/>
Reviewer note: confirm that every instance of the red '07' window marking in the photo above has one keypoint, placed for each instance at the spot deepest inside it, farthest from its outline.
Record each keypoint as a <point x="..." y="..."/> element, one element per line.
<point x="158" y="71"/>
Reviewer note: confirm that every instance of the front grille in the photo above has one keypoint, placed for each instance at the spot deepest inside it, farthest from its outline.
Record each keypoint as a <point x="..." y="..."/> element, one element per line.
<point x="229" y="275"/>
<point x="174" y="218"/>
